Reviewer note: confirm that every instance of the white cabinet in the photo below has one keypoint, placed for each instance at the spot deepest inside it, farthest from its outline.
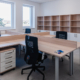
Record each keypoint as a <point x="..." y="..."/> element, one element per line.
<point x="7" y="59"/>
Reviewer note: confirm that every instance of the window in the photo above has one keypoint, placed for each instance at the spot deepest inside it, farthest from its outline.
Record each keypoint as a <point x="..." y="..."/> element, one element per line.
<point x="6" y="15"/>
<point x="27" y="16"/>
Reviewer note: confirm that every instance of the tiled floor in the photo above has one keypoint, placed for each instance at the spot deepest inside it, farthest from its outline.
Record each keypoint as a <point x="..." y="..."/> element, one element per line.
<point x="49" y="72"/>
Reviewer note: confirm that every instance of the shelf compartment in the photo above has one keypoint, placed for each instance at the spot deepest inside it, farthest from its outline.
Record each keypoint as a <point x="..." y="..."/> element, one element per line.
<point x="65" y="23"/>
<point x="40" y="23"/>
<point x="53" y="28"/>
<point x="73" y="29"/>
<point x="54" y="18"/>
<point x="47" y="23"/>
<point x="64" y="17"/>
<point x="40" y="18"/>
<point x="75" y="17"/>
<point x="40" y="27"/>
<point x="47" y="18"/>
<point x="46" y="27"/>
<point x="75" y="24"/>
<point x="64" y="29"/>
<point x="55" y="23"/>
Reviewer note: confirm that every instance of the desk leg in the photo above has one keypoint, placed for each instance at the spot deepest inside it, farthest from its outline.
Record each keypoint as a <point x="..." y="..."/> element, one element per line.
<point x="71" y="64"/>
<point x="79" y="55"/>
<point x="19" y="47"/>
<point x="56" y="68"/>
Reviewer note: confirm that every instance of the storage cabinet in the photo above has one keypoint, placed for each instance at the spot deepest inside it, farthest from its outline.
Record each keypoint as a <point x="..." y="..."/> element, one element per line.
<point x="69" y="23"/>
<point x="7" y="59"/>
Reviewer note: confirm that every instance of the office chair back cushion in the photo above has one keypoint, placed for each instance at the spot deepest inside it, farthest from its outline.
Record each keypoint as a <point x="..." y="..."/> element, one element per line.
<point x="61" y="34"/>
<point x="27" y="30"/>
<point x="31" y="50"/>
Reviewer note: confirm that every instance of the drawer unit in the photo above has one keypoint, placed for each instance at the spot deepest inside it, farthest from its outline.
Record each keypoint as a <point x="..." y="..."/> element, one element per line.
<point x="7" y="67"/>
<point x="7" y="62"/>
<point x="7" y="55"/>
<point x="7" y="59"/>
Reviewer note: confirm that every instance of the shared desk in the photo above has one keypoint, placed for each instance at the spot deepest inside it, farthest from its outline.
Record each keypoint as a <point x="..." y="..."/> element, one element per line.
<point x="47" y="44"/>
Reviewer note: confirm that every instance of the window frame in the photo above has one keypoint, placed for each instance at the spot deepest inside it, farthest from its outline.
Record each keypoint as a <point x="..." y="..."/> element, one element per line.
<point x="12" y="15"/>
<point x="31" y="16"/>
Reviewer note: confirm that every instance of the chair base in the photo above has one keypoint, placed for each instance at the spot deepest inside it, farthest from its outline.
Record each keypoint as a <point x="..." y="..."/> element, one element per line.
<point x="33" y="69"/>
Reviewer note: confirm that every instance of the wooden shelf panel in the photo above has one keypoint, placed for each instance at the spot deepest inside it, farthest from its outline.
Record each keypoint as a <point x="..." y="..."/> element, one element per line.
<point x="64" y="29"/>
<point x="54" y="18"/>
<point x="47" y="23"/>
<point x="40" y="18"/>
<point x="47" y="18"/>
<point x="55" y="23"/>
<point x="75" y="24"/>
<point x="46" y="27"/>
<point x="40" y="27"/>
<point x="65" y="17"/>
<point x="75" y="30"/>
<point x="40" y="23"/>
<point x="53" y="28"/>
<point x="65" y="23"/>
<point x="75" y="17"/>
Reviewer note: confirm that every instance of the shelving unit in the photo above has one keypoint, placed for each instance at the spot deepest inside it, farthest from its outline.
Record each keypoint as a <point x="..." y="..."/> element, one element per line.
<point x="46" y="27"/>
<point x="64" y="23"/>
<point x="64" y="29"/>
<point x="55" y="23"/>
<point x="54" y="18"/>
<point x="69" y="23"/>
<point x="47" y="18"/>
<point x="40" y="23"/>
<point x="64" y="18"/>
<point x="53" y="28"/>
<point x="47" y="23"/>
<point x="75" y="17"/>
<point x="73" y="30"/>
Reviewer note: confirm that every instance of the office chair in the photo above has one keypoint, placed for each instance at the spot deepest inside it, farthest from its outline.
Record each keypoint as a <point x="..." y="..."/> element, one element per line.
<point x="61" y="35"/>
<point x="27" y="30"/>
<point x="32" y="56"/>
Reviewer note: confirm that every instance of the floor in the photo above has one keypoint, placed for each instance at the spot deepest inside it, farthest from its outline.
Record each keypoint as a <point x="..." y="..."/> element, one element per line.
<point x="49" y="72"/>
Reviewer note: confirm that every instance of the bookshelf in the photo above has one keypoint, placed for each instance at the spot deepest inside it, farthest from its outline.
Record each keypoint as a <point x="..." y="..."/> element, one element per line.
<point x="40" y="23"/>
<point x="69" y="23"/>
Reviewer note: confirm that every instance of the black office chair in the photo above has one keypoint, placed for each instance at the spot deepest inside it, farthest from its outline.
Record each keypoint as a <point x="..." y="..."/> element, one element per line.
<point x="27" y="30"/>
<point x="32" y="56"/>
<point x="61" y="35"/>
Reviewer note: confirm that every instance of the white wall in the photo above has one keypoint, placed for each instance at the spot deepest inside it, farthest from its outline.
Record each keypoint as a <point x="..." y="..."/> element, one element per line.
<point x="62" y="7"/>
<point x="18" y="14"/>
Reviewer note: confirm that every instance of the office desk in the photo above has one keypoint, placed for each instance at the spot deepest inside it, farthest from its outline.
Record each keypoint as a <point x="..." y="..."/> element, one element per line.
<point x="3" y="35"/>
<point x="50" y="36"/>
<point x="48" y="45"/>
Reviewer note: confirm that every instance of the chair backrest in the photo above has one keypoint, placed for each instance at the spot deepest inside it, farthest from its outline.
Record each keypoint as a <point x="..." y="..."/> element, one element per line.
<point x="27" y="30"/>
<point x="31" y="50"/>
<point x="61" y="34"/>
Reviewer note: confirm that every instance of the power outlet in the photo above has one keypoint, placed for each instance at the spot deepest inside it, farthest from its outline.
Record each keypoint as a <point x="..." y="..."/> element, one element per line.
<point x="75" y="35"/>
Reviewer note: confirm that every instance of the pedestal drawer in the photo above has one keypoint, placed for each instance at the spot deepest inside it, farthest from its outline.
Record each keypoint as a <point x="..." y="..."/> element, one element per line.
<point x="7" y="67"/>
<point x="9" y="62"/>
<point x="7" y="55"/>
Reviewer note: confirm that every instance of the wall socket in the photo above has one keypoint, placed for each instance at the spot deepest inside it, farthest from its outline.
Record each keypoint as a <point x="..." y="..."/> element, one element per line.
<point x="75" y="35"/>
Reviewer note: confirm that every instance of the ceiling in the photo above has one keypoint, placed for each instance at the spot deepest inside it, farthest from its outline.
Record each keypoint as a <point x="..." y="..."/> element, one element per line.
<point x="41" y="1"/>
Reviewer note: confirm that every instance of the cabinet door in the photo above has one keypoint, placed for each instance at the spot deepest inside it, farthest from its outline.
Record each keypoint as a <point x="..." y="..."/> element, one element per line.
<point x="72" y="36"/>
<point x="78" y="37"/>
